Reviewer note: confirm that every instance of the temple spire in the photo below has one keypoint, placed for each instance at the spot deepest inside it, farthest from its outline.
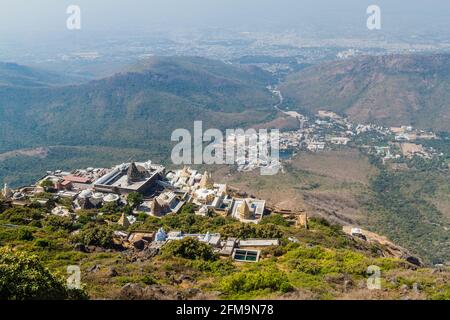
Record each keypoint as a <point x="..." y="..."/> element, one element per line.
<point x="157" y="208"/>
<point x="206" y="182"/>
<point x="123" y="221"/>
<point x="7" y="192"/>
<point x="244" y="210"/>
<point x="133" y="173"/>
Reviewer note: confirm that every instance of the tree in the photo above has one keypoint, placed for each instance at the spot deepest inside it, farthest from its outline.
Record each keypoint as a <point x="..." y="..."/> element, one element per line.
<point x="135" y="199"/>
<point x="23" y="277"/>
<point x="268" y="231"/>
<point x="188" y="208"/>
<point x="23" y="216"/>
<point x="25" y="235"/>
<point x="239" y="230"/>
<point x="55" y="223"/>
<point x="276" y="219"/>
<point x="189" y="248"/>
<point x="96" y="235"/>
<point x="110" y="208"/>
<point x="2" y="204"/>
<point x="47" y="185"/>
<point x="127" y="210"/>
<point x="265" y="279"/>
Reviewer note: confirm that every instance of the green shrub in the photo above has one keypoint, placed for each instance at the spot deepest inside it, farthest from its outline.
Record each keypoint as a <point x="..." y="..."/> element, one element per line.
<point x="189" y="248"/>
<point x="247" y="231"/>
<point x="268" y="231"/>
<point x="318" y="260"/>
<point x="142" y="216"/>
<point x="96" y="235"/>
<point x="43" y="243"/>
<point x="276" y="219"/>
<point x="441" y="293"/>
<point x="47" y="184"/>
<point x="54" y="223"/>
<point x="148" y="280"/>
<point x="25" y="235"/>
<point x="181" y="222"/>
<point x="386" y="264"/>
<point x="72" y="257"/>
<point x="22" y="277"/>
<point x="85" y="217"/>
<point x="218" y="267"/>
<point x="110" y="208"/>
<point x="8" y="234"/>
<point x="188" y="208"/>
<point x="135" y="199"/>
<point x="245" y="282"/>
<point x="276" y="251"/>
<point x="22" y="216"/>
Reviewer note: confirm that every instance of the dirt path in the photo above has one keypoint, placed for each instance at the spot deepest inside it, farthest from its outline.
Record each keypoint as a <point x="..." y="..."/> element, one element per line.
<point x="40" y="152"/>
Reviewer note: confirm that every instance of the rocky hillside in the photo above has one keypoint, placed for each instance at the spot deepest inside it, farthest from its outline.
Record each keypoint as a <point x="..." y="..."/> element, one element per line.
<point x="390" y="90"/>
<point x="321" y="262"/>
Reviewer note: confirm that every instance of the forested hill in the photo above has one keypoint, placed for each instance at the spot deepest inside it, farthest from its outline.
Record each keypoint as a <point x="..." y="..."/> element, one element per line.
<point x="14" y="75"/>
<point x="139" y="108"/>
<point x="390" y="90"/>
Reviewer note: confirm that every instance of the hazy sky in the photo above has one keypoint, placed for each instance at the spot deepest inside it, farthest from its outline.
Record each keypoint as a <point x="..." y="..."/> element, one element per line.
<point x="47" y="18"/>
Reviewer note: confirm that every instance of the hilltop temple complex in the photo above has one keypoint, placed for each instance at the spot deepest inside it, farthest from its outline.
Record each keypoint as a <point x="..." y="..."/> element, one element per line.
<point x="164" y="192"/>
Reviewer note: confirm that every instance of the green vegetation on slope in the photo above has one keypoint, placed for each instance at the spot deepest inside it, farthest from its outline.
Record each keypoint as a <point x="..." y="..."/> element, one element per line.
<point x="23" y="277"/>
<point x="14" y="75"/>
<point x="324" y="263"/>
<point x="402" y="208"/>
<point x="390" y="90"/>
<point x="138" y="109"/>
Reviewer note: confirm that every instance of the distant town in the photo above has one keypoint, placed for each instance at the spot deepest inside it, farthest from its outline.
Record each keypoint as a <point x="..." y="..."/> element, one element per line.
<point x="393" y="146"/>
<point x="329" y="129"/>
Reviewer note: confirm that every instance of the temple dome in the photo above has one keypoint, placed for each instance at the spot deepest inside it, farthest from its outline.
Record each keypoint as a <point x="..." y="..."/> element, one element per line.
<point x="111" y="198"/>
<point x="18" y="196"/>
<point x="98" y="195"/>
<point x="85" y="194"/>
<point x="170" y="175"/>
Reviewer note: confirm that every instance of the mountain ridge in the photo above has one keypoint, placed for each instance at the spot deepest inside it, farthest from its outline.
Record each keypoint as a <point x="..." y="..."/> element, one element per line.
<point x="138" y="107"/>
<point x="16" y="75"/>
<point x="390" y="90"/>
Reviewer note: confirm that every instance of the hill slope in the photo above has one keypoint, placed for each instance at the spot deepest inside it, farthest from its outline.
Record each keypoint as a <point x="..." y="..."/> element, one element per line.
<point x="321" y="262"/>
<point x="135" y="109"/>
<point x="390" y="90"/>
<point x="14" y="75"/>
<point x="410" y="207"/>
